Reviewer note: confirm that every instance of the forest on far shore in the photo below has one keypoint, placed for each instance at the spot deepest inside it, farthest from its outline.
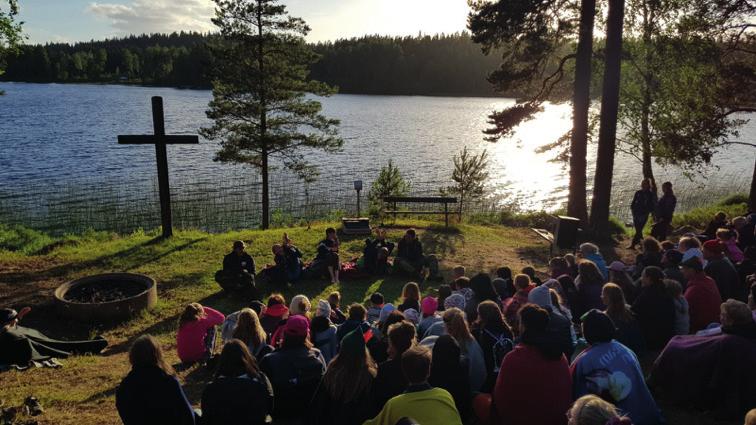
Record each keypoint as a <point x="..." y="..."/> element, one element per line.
<point x="419" y="65"/>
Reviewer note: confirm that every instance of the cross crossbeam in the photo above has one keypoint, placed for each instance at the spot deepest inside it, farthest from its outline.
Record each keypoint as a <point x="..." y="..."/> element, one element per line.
<point x="160" y="140"/>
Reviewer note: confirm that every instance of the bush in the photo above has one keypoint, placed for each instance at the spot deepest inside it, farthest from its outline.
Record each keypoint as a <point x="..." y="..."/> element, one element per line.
<point x="389" y="182"/>
<point x="22" y="239"/>
<point x="735" y="199"/>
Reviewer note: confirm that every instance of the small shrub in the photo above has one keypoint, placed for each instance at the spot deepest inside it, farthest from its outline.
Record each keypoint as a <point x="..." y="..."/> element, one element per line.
<point x="389" y="182"/>
<point x="735" y="199"/>
<point x="22" y="239"/>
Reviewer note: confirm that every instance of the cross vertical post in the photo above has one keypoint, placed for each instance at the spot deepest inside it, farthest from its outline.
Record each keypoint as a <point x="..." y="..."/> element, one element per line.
<point x="161" y="153"/>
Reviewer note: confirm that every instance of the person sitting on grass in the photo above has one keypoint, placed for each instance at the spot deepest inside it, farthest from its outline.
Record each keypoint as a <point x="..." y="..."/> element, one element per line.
<point x="531" y="273"/>
<point x="590" y="252"/>
<point x="560" y="327"/>
<point x="701" y="294"/>
<point x="592" y="410"/>
<point x="425" y="404"/>
<point x="390" y="380"/>
<point x="610" y="370"/>
<point x="628" y="330"/>
<point x="376" y="253"/>
<point x="410" y="297"/>
<point x="288" y="263"/>
<point x="356" y="319"/>
<point x="495" y="340"/>
<point x="327" y="262"/>
<point x="655" y="309"/>
<point x="461" y="285"/>
<point x="651" y="255"/>
<point x="344" y="396"/>
<point x="337" y="316"/>
<point x="457" y="272"/>
<point x="429" y="309"/>
<point x="295" y="371"/>
<point x="410" y="259"/>
<point x="588" y="285"/>
<point x="444" y="292"/>
<point x="249" y="331"/>
<point x="229" y="324"/>
<point x="512" y="305"/>
<point x="729" y="239"/>
<point x="718" y="222"/>
<point x="275" y="312"/>
<point x="195" y="339"/>
<point x="618" y="275"/>
<point x="323" y="332"/>
<point x="671" y="264"/>
<point x="151" y="393"/>
<point x="456" y="326"/>
<point x="21" y="346"/>
<point x="238" y="270"/>
<point x="449" y="371"/>
<point x="300" y="305"/>
<point x="721" y="269"/>
<point x="240" y="392"/>
<point x="682" y="310"/>
<point x="377" y="302"/>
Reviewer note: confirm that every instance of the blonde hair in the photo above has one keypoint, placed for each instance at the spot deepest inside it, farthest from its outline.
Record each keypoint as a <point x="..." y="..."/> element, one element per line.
<point x="750" y="418"/>
<point x="192" y="313"/>
<point x="456" y="326"/>
<point x="591" y="410"/>
<point x="300" y="304"/>
<point x="248" y="328"/>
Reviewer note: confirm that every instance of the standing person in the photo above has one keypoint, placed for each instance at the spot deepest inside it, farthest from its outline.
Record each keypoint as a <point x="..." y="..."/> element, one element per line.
<point x="327" y="262"/>
<point x="410" y="259"/>
<point x="628" y="330"/>
<point x="534" y="385"/>
<point x="391" y="381"/>
<point x="644" y="203"/>
<point x="376" y="253"/>
<point x="421" y="402"/>
<point x="150" y="394"/>
<point x="654" y="309"/>
<point x="344" y="396"/>
<point x="495" y="340"/>
<point x="410" y="297"/>
<point x="665" y="211"/>
<point x="295" y="371"/>
<point x="195" y="338"/>
<point x="249" y="331"/>
<point x="702" y="295"/>
<point x="610" y="370"/>
<point x="456" y="326"/>
<point x="238" y="269"/>
<point x="240" y="392"/>
<point x="449" y="371"/>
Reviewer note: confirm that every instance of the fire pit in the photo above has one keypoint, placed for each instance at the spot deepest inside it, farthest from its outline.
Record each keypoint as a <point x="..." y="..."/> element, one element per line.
<point x="108" y="297"/>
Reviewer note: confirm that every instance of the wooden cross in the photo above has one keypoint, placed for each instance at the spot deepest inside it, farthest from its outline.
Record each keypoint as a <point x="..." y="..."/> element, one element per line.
<point x="160" y="139"/>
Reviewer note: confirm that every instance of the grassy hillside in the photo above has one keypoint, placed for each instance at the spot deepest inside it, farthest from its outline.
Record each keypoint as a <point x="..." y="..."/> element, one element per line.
<point x="83" y="391"/>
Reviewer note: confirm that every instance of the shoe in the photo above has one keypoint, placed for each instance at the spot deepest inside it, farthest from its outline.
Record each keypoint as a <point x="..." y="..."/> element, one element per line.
<point x="35" y="408"/>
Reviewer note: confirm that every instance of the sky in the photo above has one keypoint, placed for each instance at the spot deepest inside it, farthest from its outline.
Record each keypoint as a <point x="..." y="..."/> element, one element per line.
<point x="83" y="20"/>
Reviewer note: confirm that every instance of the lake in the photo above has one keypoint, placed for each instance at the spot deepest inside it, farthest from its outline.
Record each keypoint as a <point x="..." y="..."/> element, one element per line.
<point x="62" y="170"/>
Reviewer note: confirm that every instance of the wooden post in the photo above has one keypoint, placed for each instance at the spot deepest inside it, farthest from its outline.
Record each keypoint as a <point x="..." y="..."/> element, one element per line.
<point x="160" y="140"/>
<point x="446" y="214"/>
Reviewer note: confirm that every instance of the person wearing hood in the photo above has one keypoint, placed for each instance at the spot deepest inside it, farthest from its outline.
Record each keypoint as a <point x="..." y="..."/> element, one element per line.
<point x="720" y="268"/>
<point x="449" y="371"/>
<point x="20" y="345"/>
<point x="380" y="342"/>
<point x="560" y="327"/>
<point x="702" y="295"/>
<point x="536" y="370"/>
<point x="611" y="371"/>
<point x="344" y="396"/>
<point x="275" y="313"/>
<point x="323" y="332"/>
<point x="590" y="252"/>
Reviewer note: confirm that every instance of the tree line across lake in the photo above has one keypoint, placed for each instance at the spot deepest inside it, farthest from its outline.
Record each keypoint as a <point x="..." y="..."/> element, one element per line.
<point x="420" y="65"/>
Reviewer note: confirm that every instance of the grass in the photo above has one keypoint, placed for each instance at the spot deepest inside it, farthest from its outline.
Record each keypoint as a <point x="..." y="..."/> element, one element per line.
<point x="733" y="206"/>
<point x="83" y="391"/>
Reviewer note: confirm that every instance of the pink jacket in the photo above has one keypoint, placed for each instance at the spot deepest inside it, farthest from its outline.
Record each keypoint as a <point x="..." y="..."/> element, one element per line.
<point x="733" y="252"/>
<point x="190" y="339"/>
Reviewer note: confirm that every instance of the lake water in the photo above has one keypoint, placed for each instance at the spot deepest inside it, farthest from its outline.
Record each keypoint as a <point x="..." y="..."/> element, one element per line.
<point x="61" y="168"/>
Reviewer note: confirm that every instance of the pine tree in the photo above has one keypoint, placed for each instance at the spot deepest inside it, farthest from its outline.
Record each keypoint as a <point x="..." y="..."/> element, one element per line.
<point x="10" y="32"/>
<point x="469" y="175"/>
<point x="259" y="107"/>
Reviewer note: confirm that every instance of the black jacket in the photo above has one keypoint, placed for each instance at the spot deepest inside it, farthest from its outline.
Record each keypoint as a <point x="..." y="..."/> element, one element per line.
<point x="236" y="264"/>
<point x="644" y="203"/>
<point x="727" y="279"/>
<point x="372" y="247"/>
<point x="486" y="342"/>
<point x="390" y="381"/>
<point x="655" y="311"/>
<point x="410" y="251"/>
<point x="665" y="208"/>
<point x="295" y="375"/>
<point x="237" y="400"/>
<point x="326" y="410"/>
<point x="150" y="396"/>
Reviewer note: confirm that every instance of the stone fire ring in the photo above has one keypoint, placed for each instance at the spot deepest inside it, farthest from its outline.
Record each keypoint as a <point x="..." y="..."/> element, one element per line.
<point x="110" y="311"/>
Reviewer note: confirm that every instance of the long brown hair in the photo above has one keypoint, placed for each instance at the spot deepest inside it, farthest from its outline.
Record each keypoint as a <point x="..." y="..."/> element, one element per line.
<point x="456" y="326"/>
<point x="489" y="314"/>
<point x="616" y="306"/>
<point x="192" y="313"/>
<point x="589" y="273"/>
<point x="146" y="352"/>
<point x="236" y="360"/>
<point x="411" y="291"/>
<point x="248" y="328"/>
<point x="350" y="375"/>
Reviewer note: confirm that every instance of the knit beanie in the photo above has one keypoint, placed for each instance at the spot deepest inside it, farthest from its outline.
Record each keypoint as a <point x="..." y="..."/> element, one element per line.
<point x="455" y="300"/>
<point x="429" y="306"/>
<point x="385" y="311"/>
<point x="540" y="296"/>
<point x="324" y="309"/>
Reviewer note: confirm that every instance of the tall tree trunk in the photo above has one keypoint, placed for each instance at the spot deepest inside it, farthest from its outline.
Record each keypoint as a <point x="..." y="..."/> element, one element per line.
<point x="263" y="120"/>
<point x="602" y="187"/>
<point x="265" y="193"/>
<point x="752" y="197"/>
<point x="577" y="205"/>
<point x="648" y="16"/>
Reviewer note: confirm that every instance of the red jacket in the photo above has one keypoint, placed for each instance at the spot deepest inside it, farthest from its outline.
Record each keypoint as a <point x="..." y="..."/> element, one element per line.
<point x="703" y="301"/>
<point x="532" y="389"/>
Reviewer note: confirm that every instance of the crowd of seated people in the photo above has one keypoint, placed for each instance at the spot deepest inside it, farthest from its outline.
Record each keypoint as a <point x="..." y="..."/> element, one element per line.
<point x="511" y="349"/>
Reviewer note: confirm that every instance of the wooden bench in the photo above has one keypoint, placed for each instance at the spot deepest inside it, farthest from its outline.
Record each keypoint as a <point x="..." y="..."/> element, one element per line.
<point x="393" y="200"/>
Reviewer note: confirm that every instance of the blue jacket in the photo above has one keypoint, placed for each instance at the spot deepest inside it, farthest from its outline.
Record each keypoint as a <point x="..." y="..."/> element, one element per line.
<point x="147" y="395"/>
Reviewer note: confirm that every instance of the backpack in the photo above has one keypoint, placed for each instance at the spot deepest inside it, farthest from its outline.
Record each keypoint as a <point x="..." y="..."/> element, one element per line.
<point x="502" y="345"/>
